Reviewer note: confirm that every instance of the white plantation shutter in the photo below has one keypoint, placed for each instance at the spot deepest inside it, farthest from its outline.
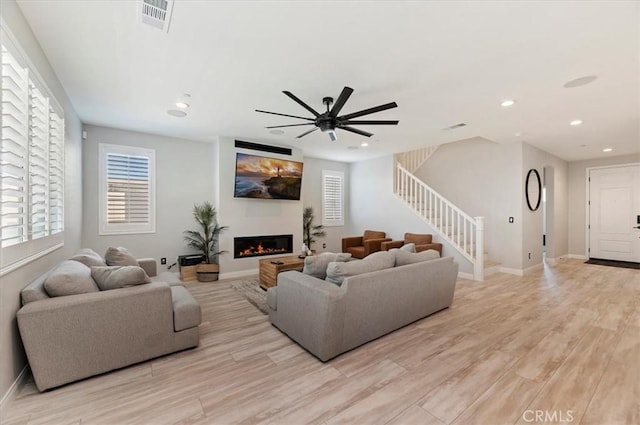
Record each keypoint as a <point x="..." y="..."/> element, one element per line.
<point x="56" y="172"/>
<point x="332" y="198"/>
<point x="31" y="161"/>
<point x="39" y="163"/>
<point x="127" y="189"/>
<point x="14" y="152"/>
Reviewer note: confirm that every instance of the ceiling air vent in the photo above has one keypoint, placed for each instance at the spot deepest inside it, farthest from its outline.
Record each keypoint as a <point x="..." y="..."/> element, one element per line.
<point x="453" y="127"/>
<point x="156" y="13"/>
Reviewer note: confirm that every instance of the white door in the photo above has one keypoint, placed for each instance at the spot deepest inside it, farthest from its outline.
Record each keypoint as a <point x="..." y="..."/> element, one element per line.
<point x="614" y="213"/>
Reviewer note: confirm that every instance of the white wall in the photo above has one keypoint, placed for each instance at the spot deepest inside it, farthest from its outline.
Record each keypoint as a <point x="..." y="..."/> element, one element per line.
<point x="250" y="217"/>
<point x="577" y="197"/>
<point x="374" y="206"/>
<point x="312" y="197"/>
<point x="184" y="177"/>
<point x="12" y="357"/>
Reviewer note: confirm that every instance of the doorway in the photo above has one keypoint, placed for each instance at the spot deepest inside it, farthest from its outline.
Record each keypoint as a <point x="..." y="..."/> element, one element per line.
<point x="613" y="223"/>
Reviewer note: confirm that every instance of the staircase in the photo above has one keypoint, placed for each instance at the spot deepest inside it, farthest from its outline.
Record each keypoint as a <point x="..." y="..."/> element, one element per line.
<point x="461" y="231"/>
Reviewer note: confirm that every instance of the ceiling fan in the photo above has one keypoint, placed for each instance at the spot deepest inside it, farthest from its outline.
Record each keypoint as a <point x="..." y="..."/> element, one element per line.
<point x="329" y="121"/>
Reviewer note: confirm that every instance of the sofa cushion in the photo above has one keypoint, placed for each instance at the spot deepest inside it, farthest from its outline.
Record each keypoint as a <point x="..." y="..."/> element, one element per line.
<point x="186" y="311"/>
<point x="316" y="265"/>
<point x="114" y="277"/>
<point x="403" y="257"/>
<point x="408" y="247"/>
<point x="337" y="272"/>
<point x="119" y="257"/>
<point x="88" y="257"/>
<point x="69" y="278"/>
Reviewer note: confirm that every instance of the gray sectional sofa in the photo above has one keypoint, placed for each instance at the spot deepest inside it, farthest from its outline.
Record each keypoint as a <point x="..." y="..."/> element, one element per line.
<point x="329" y="319"/>
<point x="76" y="336"/>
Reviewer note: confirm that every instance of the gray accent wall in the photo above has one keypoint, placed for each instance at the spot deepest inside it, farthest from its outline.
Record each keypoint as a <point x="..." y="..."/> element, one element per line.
<point x="578" y="197"/>
<point x="184" y="177"/>
<point x="12" y="357"/>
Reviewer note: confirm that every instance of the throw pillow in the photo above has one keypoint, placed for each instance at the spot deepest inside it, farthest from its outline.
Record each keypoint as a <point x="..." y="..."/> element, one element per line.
<point x="316" y="265"/>
<point x="403" y="258"/>
<point x="88" y="257"/>
<point x="119" y="257"/>
<point x="337" y="272"/>
<point x="69" y="278"/>
<point x="114" y="277"/>
<point x="409" y="247"/>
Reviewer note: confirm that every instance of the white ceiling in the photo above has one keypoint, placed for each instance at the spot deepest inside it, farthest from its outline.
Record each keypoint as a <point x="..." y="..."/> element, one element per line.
<point x="443" y="63"/>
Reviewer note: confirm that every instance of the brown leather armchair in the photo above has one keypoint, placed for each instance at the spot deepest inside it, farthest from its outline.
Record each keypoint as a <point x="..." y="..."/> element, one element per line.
<point x="361" y="246"/>
<point x="423" y="242"/>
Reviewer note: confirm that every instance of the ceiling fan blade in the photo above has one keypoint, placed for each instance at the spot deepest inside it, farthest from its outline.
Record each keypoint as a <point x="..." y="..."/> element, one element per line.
<point x="342" y="99"/>
<point x="290" y="125"/>
<point x="355" y="130"/>
<point x="285" y="115"/>
<point x="365" y="122"/>
<point x="369" y="111"/>
<point x="307" y="132"/>
<point x="301" y="103"/>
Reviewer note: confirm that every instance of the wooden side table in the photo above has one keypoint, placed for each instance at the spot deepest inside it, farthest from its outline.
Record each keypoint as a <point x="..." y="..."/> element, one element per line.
<point x="270" y="267"/>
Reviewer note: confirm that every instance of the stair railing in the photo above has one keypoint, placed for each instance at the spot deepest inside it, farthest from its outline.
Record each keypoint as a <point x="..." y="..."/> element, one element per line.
<point x="463" y="232"/>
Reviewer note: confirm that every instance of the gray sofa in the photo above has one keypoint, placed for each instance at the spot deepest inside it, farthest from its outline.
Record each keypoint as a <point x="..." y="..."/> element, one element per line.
<point x="72" y="337"/>
<point x="327" y="319"/>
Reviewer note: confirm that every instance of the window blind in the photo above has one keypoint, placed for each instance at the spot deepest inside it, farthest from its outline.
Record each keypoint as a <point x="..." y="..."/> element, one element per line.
<point x="332" y="198"/>
<point x="14" y="151"/>
<point x="31" y="159"/>
<point x="128" y="189"/>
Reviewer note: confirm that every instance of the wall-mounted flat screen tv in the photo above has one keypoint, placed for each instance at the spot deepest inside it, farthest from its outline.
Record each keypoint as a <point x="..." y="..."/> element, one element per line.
<point x="267" y="178"/>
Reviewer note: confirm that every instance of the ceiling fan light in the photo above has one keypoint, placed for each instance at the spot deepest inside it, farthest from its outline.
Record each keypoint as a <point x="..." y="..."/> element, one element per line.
<point x="332" y="134"/>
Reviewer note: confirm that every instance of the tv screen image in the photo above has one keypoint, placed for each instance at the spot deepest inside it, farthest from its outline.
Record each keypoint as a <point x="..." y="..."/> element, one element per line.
<point x="267" y="178"/>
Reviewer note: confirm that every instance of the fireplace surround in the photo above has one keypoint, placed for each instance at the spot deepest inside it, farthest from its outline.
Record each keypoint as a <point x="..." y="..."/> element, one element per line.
<point x="257" y="246"/>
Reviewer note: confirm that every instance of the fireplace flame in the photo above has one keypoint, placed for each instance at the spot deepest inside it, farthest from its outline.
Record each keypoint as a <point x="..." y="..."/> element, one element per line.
<point x="260" y="250"/>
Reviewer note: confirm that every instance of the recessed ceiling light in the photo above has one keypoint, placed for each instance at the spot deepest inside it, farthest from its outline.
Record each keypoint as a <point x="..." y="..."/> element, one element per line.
<point x="607" y="149"/>
<point x="518" y="134"/>
<point x="575" y="122"/>
<point x="182" y="105"/>
<point x="364" y="144"/>
<point x="507" y="103"/>
<point x="580" y="81"/>
<point x="177" y="113"/>
<point x="276" y="132"/>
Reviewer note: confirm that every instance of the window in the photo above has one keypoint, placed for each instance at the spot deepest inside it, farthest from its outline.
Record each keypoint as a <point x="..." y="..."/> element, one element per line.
<point x="332" y="198"/>
<point x="127" y="189"/>
<point x="31" y="161"/>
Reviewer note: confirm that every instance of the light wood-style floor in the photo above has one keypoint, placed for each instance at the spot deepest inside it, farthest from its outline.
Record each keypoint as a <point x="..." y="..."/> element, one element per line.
<point x="562" y="345"/>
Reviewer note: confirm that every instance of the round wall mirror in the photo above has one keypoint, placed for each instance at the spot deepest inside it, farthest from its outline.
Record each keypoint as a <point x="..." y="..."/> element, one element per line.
<point x="533" y="189"/>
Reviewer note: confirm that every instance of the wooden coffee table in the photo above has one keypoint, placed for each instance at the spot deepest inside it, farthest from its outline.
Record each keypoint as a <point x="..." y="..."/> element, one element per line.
<point x="270" y="267"/>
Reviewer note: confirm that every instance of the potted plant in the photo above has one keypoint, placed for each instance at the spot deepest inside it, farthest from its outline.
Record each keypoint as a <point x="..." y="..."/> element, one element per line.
<point x="310" y="230"/>
<point x="205" y="241"/>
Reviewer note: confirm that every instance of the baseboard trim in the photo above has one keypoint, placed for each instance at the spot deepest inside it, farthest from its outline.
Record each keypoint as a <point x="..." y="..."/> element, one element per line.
<point x="240" y="273"/>
<point x="464" y="275"/>
<point x="13" y="389"/>
<point x="576" y="256"/>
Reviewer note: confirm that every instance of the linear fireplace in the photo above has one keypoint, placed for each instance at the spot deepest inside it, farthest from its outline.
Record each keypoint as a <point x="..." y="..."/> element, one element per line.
<point x="253" y="246"/>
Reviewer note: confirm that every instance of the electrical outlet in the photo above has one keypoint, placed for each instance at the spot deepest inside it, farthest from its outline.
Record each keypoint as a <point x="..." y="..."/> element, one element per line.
<point x="529" y="256"/>
<point x="163" y="260"/>
<point x="510" y="219"/>
<point x="324" y="245"/>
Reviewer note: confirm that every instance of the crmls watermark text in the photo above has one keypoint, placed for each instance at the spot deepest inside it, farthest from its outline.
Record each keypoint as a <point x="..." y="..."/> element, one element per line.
<point x="548" y="416"/>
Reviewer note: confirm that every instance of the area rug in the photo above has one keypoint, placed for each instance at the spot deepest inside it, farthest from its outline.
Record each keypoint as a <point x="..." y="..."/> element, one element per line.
<point x="250" y="289"/>
<point x="612" y="263"/>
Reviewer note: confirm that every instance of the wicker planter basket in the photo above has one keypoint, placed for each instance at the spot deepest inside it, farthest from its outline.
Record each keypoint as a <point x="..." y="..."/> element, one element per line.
<point x="207" y="272"/>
